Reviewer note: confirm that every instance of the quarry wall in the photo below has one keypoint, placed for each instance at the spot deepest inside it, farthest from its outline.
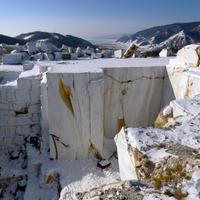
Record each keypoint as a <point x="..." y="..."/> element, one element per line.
<point x="20" y="111"/>
<point x="76" y="109"/>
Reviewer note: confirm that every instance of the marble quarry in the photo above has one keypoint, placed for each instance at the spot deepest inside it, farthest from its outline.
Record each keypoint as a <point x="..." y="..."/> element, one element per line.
<point x="83" y="109"/>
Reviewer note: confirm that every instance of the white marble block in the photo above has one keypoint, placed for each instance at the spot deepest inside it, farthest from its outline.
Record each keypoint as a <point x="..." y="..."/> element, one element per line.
<point x="90" y="101"/>
<point x="132" y="97"/>
<point x="70" y="114"/>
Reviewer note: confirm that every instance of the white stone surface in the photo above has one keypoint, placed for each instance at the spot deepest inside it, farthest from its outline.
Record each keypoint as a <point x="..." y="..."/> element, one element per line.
<point x="190" y="55"/>
<point x="180" y="83"/>
<point x="126" y="166"/>
<point x="118" y="53"/>
<point x="164" y="53"/>
<point x="185" y="107"/>
<point x="19" y="107"/>
<point x="133" y="94"/>
<point x="74" y="128"/>
<point x="100" y="98"/>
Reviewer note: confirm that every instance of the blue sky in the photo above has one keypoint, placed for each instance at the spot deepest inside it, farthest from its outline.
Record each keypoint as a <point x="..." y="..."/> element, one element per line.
<point x="91" y="18"/>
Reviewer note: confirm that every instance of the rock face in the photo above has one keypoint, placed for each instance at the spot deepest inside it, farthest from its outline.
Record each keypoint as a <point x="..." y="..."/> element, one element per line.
<point x="79" y="102"/>
<point x="19" y="112"/>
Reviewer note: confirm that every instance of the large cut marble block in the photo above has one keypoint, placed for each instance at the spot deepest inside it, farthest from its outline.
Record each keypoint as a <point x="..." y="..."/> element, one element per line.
<point x="89" y="102"/>
<point x="71" y="113"/>
<point x="132" y="97"/>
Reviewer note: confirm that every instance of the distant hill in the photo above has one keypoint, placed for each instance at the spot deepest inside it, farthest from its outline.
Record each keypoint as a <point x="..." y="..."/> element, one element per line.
<point x="10" y="40"/>
<point x="173" y="36"/>
<point x="54" y="38"/>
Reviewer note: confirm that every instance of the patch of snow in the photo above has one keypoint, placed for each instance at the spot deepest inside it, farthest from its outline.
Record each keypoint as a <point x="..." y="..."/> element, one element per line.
<point x="156" y="155"/>
<point x="28" y="37"/>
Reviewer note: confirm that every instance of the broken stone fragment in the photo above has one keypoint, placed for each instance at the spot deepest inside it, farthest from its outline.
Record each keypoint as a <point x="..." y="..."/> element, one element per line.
<point x="103" y="164"/>
<point x="130" y="52"/>
<point x="165" y="53"/>
<point x="164" y="116"/>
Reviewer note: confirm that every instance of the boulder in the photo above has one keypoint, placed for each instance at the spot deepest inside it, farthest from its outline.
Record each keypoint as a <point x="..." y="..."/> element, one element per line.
<point x="190" y="55"/>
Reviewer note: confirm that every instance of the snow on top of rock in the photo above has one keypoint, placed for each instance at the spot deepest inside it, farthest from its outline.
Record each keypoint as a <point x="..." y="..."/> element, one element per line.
<point x="35" y="72"/>
<point x="187" y="133"/>
<point x="82" y="66"/>
<point x="156" y="155"/>
<point x="189" y="106"/>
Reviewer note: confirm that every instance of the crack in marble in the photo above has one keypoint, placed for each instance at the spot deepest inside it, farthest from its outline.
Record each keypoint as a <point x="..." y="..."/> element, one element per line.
<point x="132" y="81"/>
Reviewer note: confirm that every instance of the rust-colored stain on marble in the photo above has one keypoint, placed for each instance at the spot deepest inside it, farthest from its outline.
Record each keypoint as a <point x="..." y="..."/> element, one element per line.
<point x="66" y="95"/>
<point x="94" y="151"/>
<point x="121" y="123"/>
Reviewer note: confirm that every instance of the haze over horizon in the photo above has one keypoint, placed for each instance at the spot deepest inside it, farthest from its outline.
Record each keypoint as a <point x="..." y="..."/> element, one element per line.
<point x="92" y="18"/>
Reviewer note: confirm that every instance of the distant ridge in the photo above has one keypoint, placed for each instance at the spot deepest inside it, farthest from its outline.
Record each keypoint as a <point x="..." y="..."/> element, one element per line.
<point x="4" y="39"/>
<point x="174" y="36"/>
<point x="54" y="38"/>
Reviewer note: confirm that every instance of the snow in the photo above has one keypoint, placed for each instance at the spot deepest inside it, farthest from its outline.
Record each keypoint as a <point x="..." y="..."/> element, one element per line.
<point x="28" y="37"/>
<point x="179" y="35"/>
<point x="99" y="64"/>
<point x="156" y="155"/>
